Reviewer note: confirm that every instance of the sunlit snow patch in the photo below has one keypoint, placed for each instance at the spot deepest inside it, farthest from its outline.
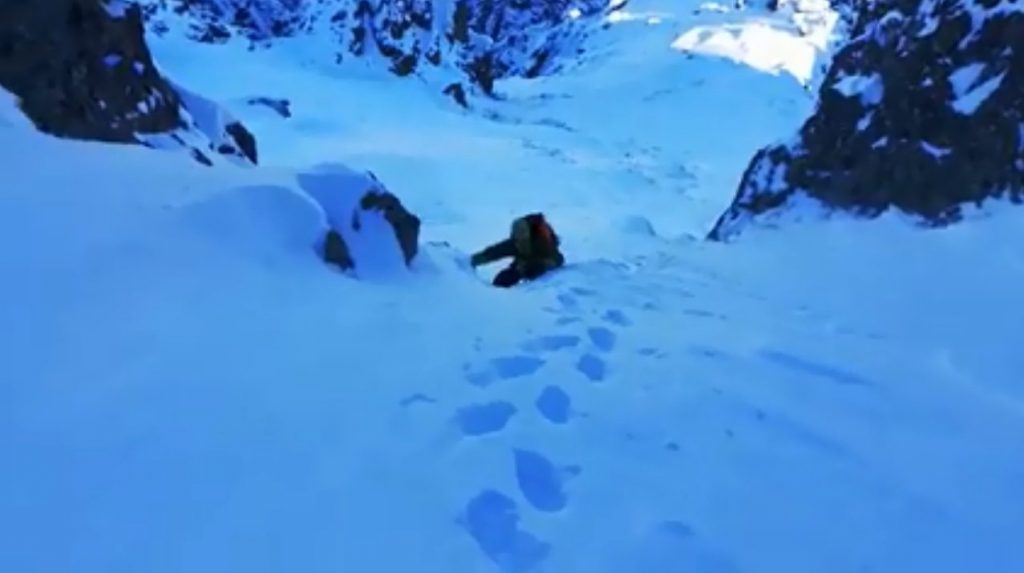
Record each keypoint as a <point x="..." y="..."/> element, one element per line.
<point x="648" y="17"/>
<point x="794" y="47"/>
<point x="970" y="91"/>
<point x="869" y="89"/>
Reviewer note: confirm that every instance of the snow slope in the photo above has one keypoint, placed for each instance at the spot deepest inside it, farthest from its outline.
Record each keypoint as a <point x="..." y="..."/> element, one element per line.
<point x="470" y="41"/>
<point x="186" y="387"/>
<point x="643" y="122"/>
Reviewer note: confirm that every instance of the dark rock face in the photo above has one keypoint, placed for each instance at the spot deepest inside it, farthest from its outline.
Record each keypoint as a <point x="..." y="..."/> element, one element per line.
<point x="244" y="139"/>
<point x="83" y="71"/>
<point x="485" y="39"/>
<point x="336" y="251"/>
<point x="405" y="224"/>
<point x="215" y="21"/>
<point x="457" y="93"/>
<point x="921" y="111"/>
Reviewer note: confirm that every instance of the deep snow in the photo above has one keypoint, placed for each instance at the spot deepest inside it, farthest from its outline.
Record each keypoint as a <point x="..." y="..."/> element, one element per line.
<point x="186" y="387"/>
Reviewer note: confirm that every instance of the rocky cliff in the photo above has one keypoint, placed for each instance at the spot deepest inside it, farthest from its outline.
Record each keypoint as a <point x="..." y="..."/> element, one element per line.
<point x="483" y="39"/>
<point x="922" y="111"/>
<point x="81" y="69"/>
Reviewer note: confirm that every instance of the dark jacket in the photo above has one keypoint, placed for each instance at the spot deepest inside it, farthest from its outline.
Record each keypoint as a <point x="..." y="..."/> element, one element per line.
<point x="532" y="255"/>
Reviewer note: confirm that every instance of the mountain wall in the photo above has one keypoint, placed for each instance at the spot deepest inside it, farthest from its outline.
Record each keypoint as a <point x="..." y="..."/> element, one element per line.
<point x="922" y="111"/>
<point x="483" y="39"/>
<point x="81" y="69"/>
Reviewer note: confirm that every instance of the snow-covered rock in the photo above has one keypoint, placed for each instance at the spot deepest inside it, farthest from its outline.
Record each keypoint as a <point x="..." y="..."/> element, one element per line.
<point x="279" y="105"/>
<point x="81" y="69"/>
<point x="83" y="72"/>
<point x="368" y="228"/>
<point x="216" y="21"/>
<point x="226" y="135"/>
<point x="921" y="111"/>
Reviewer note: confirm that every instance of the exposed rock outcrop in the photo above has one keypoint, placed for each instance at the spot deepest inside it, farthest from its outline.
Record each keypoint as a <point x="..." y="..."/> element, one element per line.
<point x="335" y="251"/>
<point x="457" y="93"/>
<point x="922" y="111"/>
<point x="405" y="224"/>
<point x="209" y="126"/>
<point x="369" y="230"/>
<point x="81" y="69"/>
<point x="282" y="107"/>
<point x="217" y="21"/>
<point x="243" y="138"/>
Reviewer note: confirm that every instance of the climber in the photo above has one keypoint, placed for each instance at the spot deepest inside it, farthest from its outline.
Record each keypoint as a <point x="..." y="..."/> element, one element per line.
<point x="533" y="246"/>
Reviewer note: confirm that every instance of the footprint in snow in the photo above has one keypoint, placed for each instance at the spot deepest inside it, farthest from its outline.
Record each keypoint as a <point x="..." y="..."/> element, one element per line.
<point x="516" y="366"/>
<point x="551" y="343"/>
<point x="505" y="368"/>
<point x="568" y="302"/>
<point x="602" y="338"/>
<point x="492" y="519"/>
<point x="539" y="481"/>
<point x="554" y="404"/>
<point x="592" y="367"/>
<point x="480" y="419"/>
<point x="617" y="317"/>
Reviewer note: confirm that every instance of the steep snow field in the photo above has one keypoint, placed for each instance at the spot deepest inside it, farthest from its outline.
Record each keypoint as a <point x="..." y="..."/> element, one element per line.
<point x="186" y="387"/>
<point x="642" y="123"/>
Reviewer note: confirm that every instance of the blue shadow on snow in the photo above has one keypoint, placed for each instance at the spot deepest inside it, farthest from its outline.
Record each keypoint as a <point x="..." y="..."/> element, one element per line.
<point x="554" y="404"/>
<point x="539" y="481"/>
<point x="480" y="419"/>
<point x="493" y="520"/>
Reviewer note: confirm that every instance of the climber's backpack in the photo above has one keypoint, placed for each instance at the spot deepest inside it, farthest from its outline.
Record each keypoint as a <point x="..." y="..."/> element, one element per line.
<point x="544" y="238"/>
